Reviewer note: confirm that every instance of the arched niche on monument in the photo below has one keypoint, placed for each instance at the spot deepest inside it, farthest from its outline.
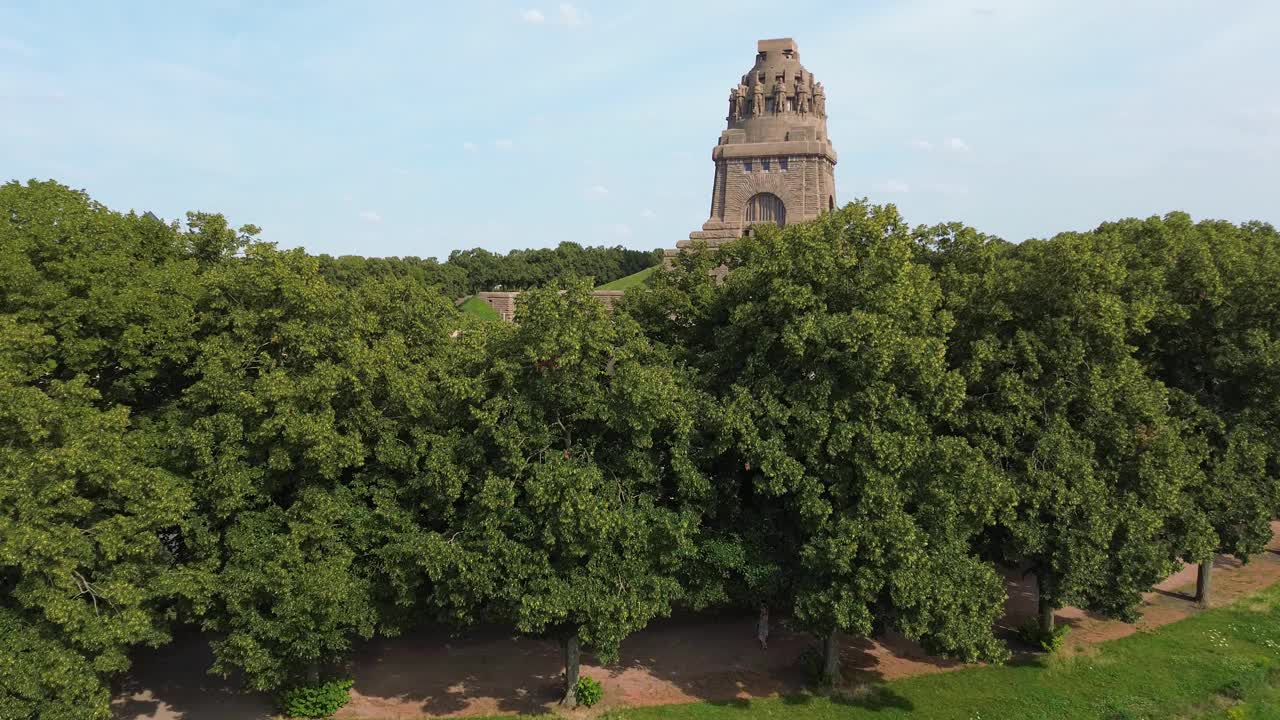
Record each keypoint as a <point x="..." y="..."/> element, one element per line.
<point x="765" y="207"/>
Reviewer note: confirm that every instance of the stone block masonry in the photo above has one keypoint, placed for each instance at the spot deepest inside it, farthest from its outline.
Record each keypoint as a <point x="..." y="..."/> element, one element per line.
<point x="774" y="162"/>
<point x="504" y="303"/>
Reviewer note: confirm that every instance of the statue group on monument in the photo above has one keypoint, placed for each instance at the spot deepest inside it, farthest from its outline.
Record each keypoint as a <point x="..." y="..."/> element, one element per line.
<point x="740" y="104"/>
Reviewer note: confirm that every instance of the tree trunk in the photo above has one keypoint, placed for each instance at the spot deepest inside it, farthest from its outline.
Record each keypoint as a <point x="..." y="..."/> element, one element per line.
<point x="1046" y="610"/>
<point x="762" y="628"/>
<point x="1204" y="577"/>
<point x="313" y="674"/>
<point x="569" y="651"/>
<point x="831" y="658"/>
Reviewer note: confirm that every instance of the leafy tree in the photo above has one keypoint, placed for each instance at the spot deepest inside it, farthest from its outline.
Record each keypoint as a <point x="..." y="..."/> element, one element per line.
<point x="523" y="269"/>
<point x="322" y="431"/>
<point x="826" y="348"/>
<point x="85" y="515"/>
<point x="588" y="497"/>
<point x="352" y="271"/>
<point x="94" y="313"/>
<point x="283" y="415"/>
<point x="116" y="293"/>
<point x="1057" y="398"/>
<point x="1215" y="340"/>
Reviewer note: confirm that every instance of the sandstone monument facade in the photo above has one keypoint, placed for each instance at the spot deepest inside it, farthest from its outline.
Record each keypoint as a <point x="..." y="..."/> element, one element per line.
<point x="774" y="161"/>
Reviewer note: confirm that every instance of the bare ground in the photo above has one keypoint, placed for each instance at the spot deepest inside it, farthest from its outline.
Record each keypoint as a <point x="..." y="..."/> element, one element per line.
<point x="673" y="661"/>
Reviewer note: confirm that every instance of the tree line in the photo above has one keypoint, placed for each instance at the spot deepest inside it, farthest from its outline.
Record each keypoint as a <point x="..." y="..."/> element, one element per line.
<point x="471" y="271"/>
<point x="861" y="427"/>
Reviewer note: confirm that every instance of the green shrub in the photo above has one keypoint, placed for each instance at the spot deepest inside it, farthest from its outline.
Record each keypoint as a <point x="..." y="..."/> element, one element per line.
<point x="589" y="691"/>
<point x="1050" y="642"/>
<point x="319" y="701"/>
<point x="1234" y="690"/>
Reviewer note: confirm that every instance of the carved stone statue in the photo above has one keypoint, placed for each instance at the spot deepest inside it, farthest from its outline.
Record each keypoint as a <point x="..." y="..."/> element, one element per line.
<point x="819" y="101"/>
<point x="733" y="105"/>
<point x="802" y="97"/>
<point x="779" y="97"/>
<point x="757" y="100"/>
<point x="738" y="99"/>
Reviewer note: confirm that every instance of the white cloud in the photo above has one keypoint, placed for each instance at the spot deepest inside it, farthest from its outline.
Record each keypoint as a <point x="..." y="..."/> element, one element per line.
<point x="648" y="214"/>
<point x="468" y="146"/>
<point x="893" y="186"/>
<point x="346" y="197"/>
<point x="503" y="144"/>
<point x="947" y="188"/>
<point x="571" y="16"/>
<point x="567" y="14"/>
<point x="953" y="144"/>
<point x="597" y="191"/>
<point x="370" y="216"/>
<point x="622" y="230"/>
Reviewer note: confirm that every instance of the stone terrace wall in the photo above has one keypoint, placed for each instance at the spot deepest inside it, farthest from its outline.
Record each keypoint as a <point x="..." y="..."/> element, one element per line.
<point x="504" y="303"/>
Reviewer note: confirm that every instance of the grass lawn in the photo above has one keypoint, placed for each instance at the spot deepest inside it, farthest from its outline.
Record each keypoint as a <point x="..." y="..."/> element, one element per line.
<point x="629" y="281"/>
<point x="1223" y="664"/>
<point x="478" y="308"/>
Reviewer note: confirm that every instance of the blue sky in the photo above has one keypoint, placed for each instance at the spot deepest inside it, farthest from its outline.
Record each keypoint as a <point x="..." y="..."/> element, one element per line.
<point x="416" y="128"/>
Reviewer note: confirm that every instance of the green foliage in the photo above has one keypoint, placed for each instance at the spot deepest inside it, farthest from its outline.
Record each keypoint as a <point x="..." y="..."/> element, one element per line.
<point x="41" y="677"/>
<point x="1213" y="340"/>
<point x="525" y="269"/>
<point x="589" y="500"/>
<point x="1057" y="397"/>
<point x="353" y="271"/>
<point x="95" y="318"/>
<point x="313" y="402"/>
<point x="470" y="271"/>
<point x="825" y="349"/>
<point x="297" y="452"/>
<point x="317" y="701"/>
<point x="1034" y="635"/>
<point x="589" y="691"/>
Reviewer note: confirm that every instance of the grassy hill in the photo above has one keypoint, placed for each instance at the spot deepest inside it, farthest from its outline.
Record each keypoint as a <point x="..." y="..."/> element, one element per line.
<point x="477" y="308"/>
<point x="629" y="281"/>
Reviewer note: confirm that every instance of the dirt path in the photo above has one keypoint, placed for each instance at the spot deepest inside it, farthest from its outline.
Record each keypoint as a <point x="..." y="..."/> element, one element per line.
<point x="672" y="661"/>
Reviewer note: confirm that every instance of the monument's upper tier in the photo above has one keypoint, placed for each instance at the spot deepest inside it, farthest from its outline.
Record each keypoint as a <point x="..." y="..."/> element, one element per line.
<point x="777" y="96"/>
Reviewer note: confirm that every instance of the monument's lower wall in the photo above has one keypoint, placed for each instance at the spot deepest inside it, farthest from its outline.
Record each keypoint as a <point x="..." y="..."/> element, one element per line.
<point x="504" y="303"/>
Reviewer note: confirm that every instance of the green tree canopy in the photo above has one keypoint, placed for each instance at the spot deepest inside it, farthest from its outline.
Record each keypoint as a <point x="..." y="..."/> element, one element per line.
<point x="590" y="500"/>
<point x="826" y="347"/>
<point x="1215" y="341"/>
<point x="1057" y="398"/>
<point x="95" y="311"/>
<point x="285" y="421"/>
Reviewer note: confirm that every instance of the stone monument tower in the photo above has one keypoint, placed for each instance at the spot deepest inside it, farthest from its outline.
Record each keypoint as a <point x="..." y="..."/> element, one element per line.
<point x="774" y="162"/>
